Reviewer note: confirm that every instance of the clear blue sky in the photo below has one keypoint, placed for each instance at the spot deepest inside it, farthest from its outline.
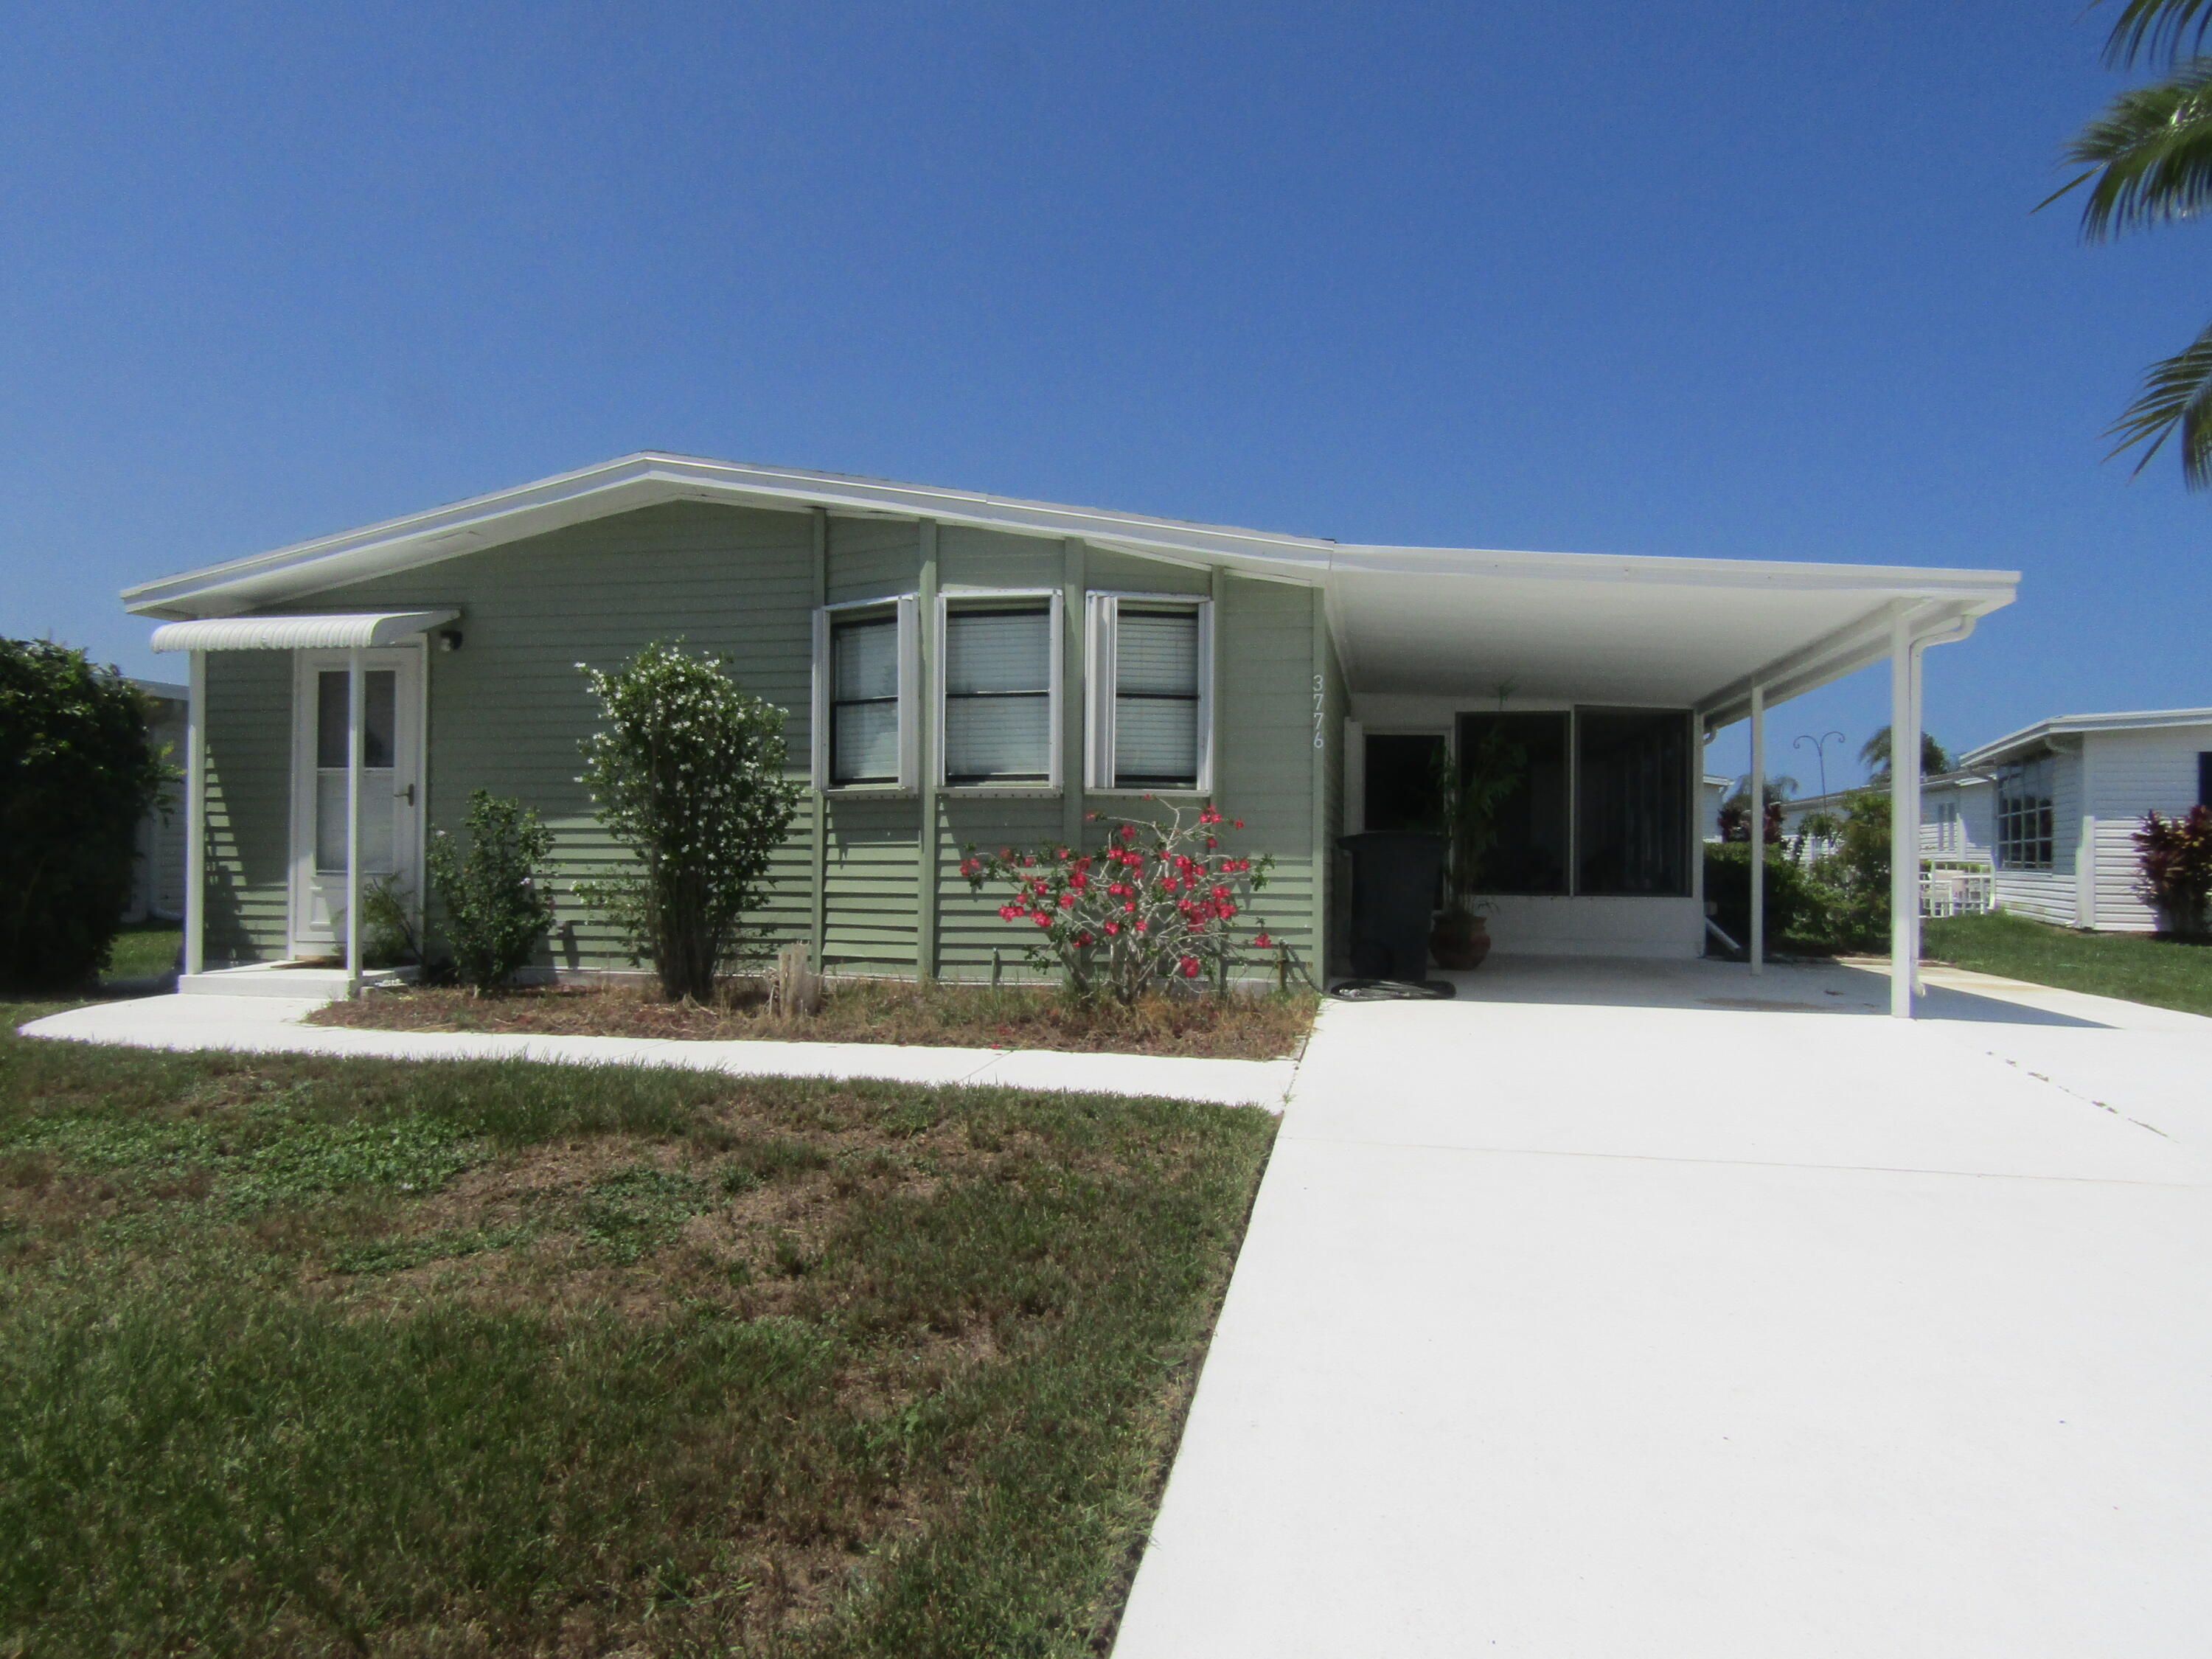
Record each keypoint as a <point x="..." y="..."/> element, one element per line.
<point x="1733" y="280"/>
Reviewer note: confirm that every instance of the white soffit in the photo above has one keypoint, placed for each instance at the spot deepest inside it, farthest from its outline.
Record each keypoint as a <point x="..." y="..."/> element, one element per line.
<point x="352" y="630"/>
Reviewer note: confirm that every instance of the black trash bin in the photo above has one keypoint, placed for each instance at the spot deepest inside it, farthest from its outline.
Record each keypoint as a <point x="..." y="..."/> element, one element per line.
<point x="1394" y="895"/>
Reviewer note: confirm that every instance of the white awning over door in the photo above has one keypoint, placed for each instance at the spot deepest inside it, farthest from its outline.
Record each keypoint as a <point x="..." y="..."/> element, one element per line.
<point x="358" y="630"/>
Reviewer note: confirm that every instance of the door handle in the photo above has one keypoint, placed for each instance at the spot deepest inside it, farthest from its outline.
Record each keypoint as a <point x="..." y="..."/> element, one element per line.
<point x="406" y="794"/>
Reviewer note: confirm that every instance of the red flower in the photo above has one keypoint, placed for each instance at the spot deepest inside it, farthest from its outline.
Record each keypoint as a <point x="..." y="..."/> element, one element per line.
<point x="1067" y="900"/>
<point x="1220" y="892"/>
<point x="1189" y="966"/>
<point x="1112" y="927"/>
<point x="1210" y="843"/>
<point x="1142" y="926"/>
<point x="1239" y="825"/>
<point x="1083" y="939"/>
<point x="1126" y="906"/>
<point x="1042" y="920"/>
<point x="1261" y="940"/>
<point x="1129" y="832"/>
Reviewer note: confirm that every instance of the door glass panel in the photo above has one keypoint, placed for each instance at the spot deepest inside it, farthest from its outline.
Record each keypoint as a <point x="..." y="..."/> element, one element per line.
<point x="378" y="778"/>
<point x="379" y="698"/>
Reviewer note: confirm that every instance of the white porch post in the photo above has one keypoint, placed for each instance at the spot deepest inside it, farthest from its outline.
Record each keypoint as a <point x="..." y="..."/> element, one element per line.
<point x="1756" y="945"/>
<point x="196" y="816"/>
<point x="353" y="819"/>
<point x="1903" y="818"/>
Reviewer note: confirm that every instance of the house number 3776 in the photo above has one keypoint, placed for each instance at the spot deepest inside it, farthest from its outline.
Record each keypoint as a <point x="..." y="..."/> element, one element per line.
<point x="1321" y="696"/>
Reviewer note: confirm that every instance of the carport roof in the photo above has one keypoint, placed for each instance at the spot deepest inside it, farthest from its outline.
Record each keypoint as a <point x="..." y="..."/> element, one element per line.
<point x="1455" y="621"/>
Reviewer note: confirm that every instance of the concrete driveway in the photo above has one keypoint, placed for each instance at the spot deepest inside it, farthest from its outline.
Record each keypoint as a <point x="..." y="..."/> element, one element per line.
<point x="1630" y="1310"/>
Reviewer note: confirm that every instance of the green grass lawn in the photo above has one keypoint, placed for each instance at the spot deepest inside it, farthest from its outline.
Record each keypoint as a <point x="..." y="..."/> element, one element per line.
<point x="143" y="949"/>
<point x="302" y="1356"/>
<point x="2133" y="966"/>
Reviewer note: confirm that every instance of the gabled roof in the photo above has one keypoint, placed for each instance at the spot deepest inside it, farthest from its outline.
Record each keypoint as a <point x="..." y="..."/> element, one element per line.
<point x="2029" y="736"/>
<point x="1631" y="629"/>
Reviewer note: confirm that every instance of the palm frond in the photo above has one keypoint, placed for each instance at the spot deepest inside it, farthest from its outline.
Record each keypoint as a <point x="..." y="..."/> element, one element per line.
<point x="2176" y="398"/>
<point x="2149" y="156"/>
<point x="2157" y="28"/>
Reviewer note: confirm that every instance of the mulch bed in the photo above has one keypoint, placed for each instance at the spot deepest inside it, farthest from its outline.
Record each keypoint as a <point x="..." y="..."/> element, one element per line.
<point x="1269" y="1027"/>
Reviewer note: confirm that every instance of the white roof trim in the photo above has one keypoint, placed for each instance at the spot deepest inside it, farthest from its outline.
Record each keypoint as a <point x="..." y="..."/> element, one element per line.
<point x="650" y="477"/>
<point x="355" y="630"/>
<point x="2146" y="720"/>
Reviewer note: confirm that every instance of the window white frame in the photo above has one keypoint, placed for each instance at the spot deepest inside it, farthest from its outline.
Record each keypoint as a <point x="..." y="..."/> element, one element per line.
<point x="988" y="598"/>
<point x="2026" y="827"/>
<point x="1101" y="632"/>
<point x="906" y="610"/>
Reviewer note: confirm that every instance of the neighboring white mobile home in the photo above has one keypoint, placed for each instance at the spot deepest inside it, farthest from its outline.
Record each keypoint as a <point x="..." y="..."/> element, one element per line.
<point x="2057" y="804"/>
<point x="2053" y="810"/>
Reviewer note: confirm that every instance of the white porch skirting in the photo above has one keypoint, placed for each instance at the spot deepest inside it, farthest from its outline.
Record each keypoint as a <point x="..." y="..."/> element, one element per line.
<point x="1522" y="924"/>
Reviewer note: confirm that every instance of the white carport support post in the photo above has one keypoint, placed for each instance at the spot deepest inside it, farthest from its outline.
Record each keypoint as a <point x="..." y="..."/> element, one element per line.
<point x="353" y="819"/>
<point x="1904" y="816"/>
<point x="196" y="817"/>
<point x="1756" y="945"/>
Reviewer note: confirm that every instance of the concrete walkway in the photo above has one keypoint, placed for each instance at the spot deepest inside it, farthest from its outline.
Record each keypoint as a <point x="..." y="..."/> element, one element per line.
<point x="261" y="1025"/>
<point x="1622" y="1311"/>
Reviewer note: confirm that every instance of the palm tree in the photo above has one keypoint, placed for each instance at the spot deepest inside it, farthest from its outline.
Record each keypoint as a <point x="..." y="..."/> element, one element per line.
<point x="1874" y="754"/>
<point x="2148" y="161"/>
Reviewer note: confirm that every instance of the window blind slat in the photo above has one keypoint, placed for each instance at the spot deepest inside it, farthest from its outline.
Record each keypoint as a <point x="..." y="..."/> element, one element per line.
<point x="866" y="742"/>
<point x="1005" y="738"/>
<point x="997" y="651"/>
<point x="866" y="659"/>
<point x="1155" y="739"/>
<point x="1157" y="654"/>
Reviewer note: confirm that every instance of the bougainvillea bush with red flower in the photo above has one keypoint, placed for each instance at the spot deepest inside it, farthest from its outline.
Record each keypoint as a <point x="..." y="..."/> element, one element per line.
<point x="1159" y="903"/>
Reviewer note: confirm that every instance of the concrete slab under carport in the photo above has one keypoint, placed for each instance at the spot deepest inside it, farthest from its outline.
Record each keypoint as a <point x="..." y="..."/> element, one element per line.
<point x="1599" y="1314"/>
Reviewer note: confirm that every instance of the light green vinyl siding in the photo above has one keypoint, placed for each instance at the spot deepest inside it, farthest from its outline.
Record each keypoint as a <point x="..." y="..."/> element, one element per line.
<point x="991" y="558"/>
<point x="1264" y="768"/>
<point x="872" y="559"/>
<point x="509" y="710"/>
<point x="1336" y="708"/>
<point x="249" y="810"/>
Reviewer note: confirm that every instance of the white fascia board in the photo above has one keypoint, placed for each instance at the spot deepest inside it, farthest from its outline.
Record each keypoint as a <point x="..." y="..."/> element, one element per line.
<point x="1990" y="588"/>
<point x="2027" y="737"/>
<point x="645" y="479"/>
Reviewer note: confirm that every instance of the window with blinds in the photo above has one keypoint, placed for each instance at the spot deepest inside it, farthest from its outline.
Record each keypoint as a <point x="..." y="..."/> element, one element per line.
<point x="1148" y="692"/>
<point x="999" y="694"/>
<point x="1155" y="736"/>
<point x="864" y="701"/>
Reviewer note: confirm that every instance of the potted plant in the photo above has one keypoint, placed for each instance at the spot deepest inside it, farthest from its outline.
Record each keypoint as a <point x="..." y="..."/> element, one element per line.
<point x="1489" y="770"/>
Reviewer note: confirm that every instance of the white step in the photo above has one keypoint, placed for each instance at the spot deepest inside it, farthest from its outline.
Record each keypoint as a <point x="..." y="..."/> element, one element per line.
<point x="285" y="979"/>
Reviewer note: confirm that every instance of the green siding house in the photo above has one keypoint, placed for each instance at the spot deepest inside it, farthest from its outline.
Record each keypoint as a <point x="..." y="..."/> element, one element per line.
<point x="961" y="668"/>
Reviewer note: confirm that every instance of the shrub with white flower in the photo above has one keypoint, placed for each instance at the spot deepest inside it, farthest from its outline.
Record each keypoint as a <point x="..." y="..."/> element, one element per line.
<point x="1157" y="904"/>
<point x="688" y="774"/>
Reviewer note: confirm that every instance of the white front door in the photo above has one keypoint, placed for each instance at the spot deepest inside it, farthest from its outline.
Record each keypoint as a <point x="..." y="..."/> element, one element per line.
<point x="390" y="788"/>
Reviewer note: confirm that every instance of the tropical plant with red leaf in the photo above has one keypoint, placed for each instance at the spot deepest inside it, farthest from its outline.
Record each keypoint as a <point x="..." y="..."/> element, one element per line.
<point x="2176" y="861"/>
<point x="1158" y="903"/>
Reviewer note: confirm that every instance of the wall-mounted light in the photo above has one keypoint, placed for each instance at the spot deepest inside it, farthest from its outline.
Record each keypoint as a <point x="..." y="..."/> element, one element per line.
<point x="449" y="639"/>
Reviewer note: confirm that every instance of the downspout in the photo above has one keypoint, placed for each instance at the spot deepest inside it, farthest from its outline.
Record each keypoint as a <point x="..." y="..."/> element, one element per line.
<point x="1906" y="644"/>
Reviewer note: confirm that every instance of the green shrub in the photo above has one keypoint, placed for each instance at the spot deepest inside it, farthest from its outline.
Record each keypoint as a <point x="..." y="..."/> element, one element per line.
<point x="688" y="776"/>
<point x="496" y="906"/>
<point x="1797" y="907"/>
<point x="1856" y="874"/>
<point x="77" y="773"/>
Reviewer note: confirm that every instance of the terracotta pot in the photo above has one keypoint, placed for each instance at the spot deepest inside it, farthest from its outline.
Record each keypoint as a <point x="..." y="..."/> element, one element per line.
<point x="1459" y="942"/>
